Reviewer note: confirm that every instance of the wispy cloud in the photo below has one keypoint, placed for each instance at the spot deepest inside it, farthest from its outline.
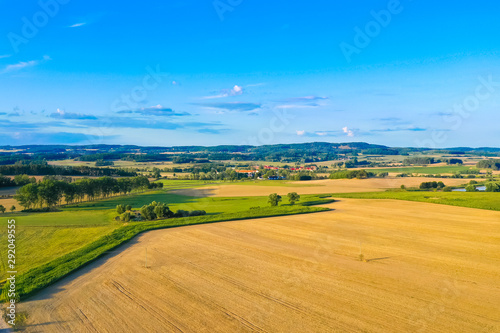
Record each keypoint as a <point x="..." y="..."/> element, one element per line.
<point x="303" y="99"/>
<point x="213" y="130"/>
<point x="232" y="106"/>
<point x="317" y="134"/>
<point x="24" y="64"/>
<point x="235" y="91"/>
<point x="298" y="106"/>
<point x="157" y="110"/>
<point x="76" y="25"/>
<point x="61" y="114"/>
<point x="28" y="137"/>
<point x="400" y="129"/>
<point x="392" y="121"/>
<point x="2" y="56"/>
<point x="86" y="19"/>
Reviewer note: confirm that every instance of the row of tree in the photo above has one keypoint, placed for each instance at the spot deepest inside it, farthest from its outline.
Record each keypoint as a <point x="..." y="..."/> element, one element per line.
<point x="432" y="185"/>
<point x="3" y="209"/>
<point x="418" y="160"/>
<point x="50" y="192"/>
<point x="153" y="211"/>
<point x="488" y="164"/>
<point x="41" y="169"/>
<point x="19" y="180"/>
<point x="274" y="199"/>
<point x="359" y="174"/>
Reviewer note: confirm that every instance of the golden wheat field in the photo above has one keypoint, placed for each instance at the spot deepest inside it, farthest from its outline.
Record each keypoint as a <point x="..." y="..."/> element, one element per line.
<point x="426" y="268"/>
<point x="315" y="186"/>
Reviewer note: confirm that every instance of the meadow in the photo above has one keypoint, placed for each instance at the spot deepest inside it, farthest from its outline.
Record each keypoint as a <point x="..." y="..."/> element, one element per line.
<point x="50" y="245"/>
<point x="425" y="170"/>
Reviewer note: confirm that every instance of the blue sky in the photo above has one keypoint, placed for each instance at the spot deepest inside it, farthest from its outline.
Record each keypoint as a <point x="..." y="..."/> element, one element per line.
<point x="399" y="73"/>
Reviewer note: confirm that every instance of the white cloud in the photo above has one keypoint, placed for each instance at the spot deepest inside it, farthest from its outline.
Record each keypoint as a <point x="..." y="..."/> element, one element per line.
<point x="300" y="133"/>
<point x="347" y="131"/>
<point x="235" y="91"/>
<point x="5" y="56"/>
<point x="24" y="64"/>
<point x="20" y="65"/>
<point x="77" y="25"/>
<point x="297" y="106"/>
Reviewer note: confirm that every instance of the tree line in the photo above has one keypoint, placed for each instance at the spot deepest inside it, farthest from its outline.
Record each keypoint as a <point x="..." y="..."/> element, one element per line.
<point x="488" y="164"/>
<point x="153" y="211"/>
<point x="40" y="169"/>
<point x="19" y="180"/>
<point x="359" y="174"/>
<point x="51" y="192"/>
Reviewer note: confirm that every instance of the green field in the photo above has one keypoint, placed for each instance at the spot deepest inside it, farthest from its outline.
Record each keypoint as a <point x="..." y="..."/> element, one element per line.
<point x="50" y="245"/>
<point x="481" y="200"/>
<point x="427" y="170"/>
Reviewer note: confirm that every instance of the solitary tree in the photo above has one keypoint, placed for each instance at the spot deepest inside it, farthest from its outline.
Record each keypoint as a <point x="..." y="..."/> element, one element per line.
<point x="274" y="199"/>
<point x="293" y="197"/>
<point x="2" y="209"/>
<point x="13" y="208"/>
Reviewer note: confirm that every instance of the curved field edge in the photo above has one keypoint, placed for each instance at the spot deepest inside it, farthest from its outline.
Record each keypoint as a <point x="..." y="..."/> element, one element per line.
<point x="479" y="200"/>
<point x="42" y="276"/>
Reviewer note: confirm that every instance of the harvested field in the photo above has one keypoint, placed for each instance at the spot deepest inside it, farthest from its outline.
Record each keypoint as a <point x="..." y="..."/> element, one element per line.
<point x="316" y="186"/>
<point x="428" y="268"/>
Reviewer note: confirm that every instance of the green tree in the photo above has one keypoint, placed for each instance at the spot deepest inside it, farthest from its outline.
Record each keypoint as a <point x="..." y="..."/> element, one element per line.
<point x="13" y="208"/>
<point x="293" y="197"/>
<point x="27" y="196"/>
<point x="125" y="217"/>
<point x="2" y="209"/>
<point x="156" y="173"/>
<point x="128" y="208"/>
<point x="492" y="187"/>
<point x="147" y="212"/>
<point x="274" y="199"/>
<point x="470" y="188"/>
<point x="161" y="210"/>
<point x="120" y="209"/>
<point x="50" y="192"/>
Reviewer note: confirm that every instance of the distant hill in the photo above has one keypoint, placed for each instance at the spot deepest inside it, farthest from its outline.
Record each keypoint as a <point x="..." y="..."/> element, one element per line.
<point x="297" y="152"/>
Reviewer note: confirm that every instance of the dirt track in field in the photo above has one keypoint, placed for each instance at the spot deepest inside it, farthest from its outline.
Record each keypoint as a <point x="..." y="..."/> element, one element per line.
<point x="429" y="268"/>
<point x="316" y="186"/>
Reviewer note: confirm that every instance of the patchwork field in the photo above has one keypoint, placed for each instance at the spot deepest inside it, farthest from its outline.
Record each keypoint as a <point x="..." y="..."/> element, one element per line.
<point x="313" y="186"/>
<point x="428" y="268"/>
